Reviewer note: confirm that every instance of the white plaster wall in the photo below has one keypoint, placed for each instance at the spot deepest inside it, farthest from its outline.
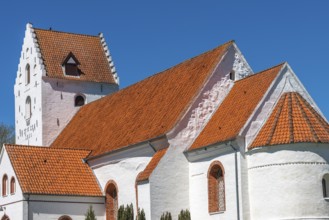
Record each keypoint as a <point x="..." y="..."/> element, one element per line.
<point x="42" y="207"/>
<point x="123" y="172"/>
<point x="58" y="102"/>
<point x="285" y="182"/>
<point x="171" y="176"/>
<point x="144" y="200"/>
<point x="198" y="176"/>
<point x="12" y="202"/>
<point x="29" y="133"/>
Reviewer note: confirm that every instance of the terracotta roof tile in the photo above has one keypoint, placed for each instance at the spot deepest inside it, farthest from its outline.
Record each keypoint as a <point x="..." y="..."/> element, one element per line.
<point x="293" y="120"/>
<point x="55" y="46"/>
<point x="145" y="110"/>
<point x="236" y="108"/>
<point x="42" y="170"/>
<point x="146" y="173"/>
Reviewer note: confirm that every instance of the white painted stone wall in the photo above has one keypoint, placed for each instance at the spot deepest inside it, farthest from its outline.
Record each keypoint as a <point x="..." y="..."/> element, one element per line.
<point x="58" y="102"/>
<point x="29" y="131"/>
<point x="198" y="176"/>
<point x="12" y="203"/>
<point x="43" y="207"/>
<point x="285" y="182"/>
<point x="144" y="200"/>
<point x="122" y="168"/>
<point x="171" y="176"/>
<point x="52" y="99"/>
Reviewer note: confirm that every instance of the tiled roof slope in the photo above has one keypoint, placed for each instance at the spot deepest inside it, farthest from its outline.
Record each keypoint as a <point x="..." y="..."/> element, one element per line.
<point x="236" y="108"/>
<point x="55" y="47"/>
<point x="146" y="173"/>
<point x="145" y="110"/>
<point x="42" y="170"/>
<point x="293" y="120"/>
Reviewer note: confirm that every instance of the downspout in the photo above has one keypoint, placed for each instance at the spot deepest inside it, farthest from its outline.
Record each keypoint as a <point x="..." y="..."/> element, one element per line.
<point x="236" y="180"/>
<point x="28" y="206"/>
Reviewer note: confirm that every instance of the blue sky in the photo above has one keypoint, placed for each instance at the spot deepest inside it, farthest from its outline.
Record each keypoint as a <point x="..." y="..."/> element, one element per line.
<point x="146" y="37"/>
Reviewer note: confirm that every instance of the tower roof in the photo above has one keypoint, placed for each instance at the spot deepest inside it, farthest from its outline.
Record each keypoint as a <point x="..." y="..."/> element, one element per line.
<point x="293" y="120"/>
<point x="95" y="63"/>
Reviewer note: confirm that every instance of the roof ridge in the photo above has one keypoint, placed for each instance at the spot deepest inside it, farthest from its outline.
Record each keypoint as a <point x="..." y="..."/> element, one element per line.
<point x="291" y="120"/>
<point x="262" y="71"/>
<point x="66" y="32"/>
<point x="276" y="119"/>
<point x="44" y="147"/>
<point x="300" y="105"/>
<point x="323" y="123"/>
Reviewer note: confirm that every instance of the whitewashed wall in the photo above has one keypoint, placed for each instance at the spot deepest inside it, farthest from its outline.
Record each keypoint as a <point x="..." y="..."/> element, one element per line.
<point x="171" y="176"/>
<point x="58" y="102"/>
<point x="29" y="133"/>
<point x="52" y="99"/>
<point x="285" y="182"/>
<point x="198" y="175"/>
<point x="122" y="168"/>
<point x="43" y="207"/>
<point x="144" y="199"/>
<point x="13" y="203"/>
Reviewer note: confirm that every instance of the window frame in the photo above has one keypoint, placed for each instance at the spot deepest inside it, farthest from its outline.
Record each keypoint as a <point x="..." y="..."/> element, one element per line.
<point x="213" y="197"/>
<point x="27" y="74"/>
<point x="4" y="185"/>
<point x="325" y="186"/>
<point x="75" y="100"/>
<point x="28" y="108"/>
<point x="12" y="185"/>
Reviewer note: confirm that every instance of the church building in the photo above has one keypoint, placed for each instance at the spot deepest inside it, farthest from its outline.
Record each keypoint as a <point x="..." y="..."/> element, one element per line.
<point x="207" y="135"/>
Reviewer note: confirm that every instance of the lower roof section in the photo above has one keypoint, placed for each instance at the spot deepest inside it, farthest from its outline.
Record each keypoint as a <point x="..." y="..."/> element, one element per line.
<point x="43" y="170"/>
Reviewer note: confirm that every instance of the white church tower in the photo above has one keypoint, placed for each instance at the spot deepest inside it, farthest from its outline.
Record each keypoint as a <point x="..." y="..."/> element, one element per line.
<point x="58" y="73"/>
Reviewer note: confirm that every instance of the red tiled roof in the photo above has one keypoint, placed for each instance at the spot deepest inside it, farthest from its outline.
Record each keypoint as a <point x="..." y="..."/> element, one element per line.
<point x="293" y="120"/>
<point x="55" y="46"/>
<point x="146" y="173"/>
<point x="236" y="108"/>
<point x="42" y="170"/>
<point x="145" y="110"/>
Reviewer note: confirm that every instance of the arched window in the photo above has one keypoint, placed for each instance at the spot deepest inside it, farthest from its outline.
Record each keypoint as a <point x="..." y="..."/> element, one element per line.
<point x="111" y="201"/>
<point x="4" y="185"/>
<point x="216" y="187"/>
<point x="28" y="109"/>
<point x="12" y="185"/>
<point x="65" y="217"/>
<point x="27" y="74"/>
<point x="79" y="100"/>
<point x="325" y="185"/>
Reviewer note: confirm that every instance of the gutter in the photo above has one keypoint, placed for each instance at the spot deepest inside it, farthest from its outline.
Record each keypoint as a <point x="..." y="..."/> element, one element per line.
<point x="125" y="148"/>
<point x="236" y="179"/>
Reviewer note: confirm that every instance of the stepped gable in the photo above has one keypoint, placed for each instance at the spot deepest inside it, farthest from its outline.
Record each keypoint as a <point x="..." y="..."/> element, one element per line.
<point x="56" y="46"/>
<point x="146" y="173"/>
<point x="293" y="120"/>
<point x="237" y="107"/>
<point x="143" y="111"/>
<point x="42" y="170"/>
